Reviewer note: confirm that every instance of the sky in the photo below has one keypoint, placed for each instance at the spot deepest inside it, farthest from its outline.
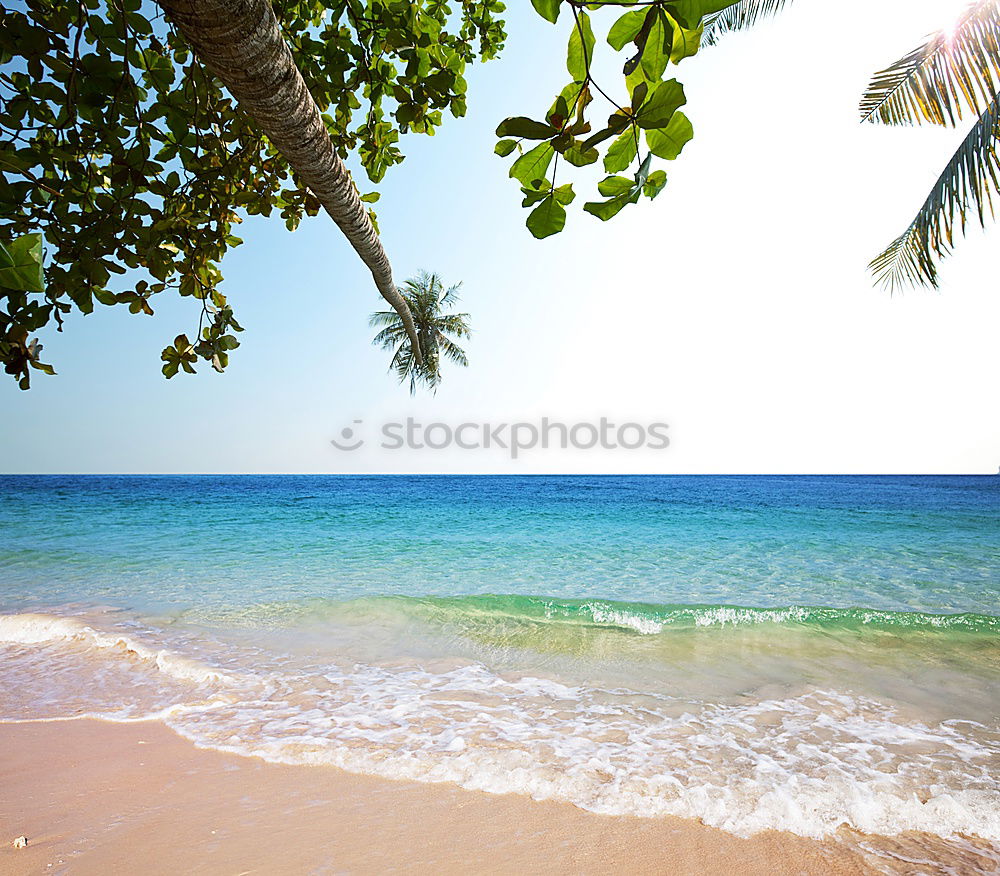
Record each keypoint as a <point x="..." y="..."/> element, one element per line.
<point x="736" y="309"/>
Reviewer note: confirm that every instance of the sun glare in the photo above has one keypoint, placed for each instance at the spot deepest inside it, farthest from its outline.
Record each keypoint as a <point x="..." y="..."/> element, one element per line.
<point x="937" y="14"/>
<point x="950" y="12"/>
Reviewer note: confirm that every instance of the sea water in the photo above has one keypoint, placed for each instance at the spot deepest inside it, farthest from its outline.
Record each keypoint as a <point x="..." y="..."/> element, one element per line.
<point x="798" y="653"/>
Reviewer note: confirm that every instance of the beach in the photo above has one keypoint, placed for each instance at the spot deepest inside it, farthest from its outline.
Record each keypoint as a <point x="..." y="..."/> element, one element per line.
<point x="96" y="798"/>
<point x="504" y="675"/>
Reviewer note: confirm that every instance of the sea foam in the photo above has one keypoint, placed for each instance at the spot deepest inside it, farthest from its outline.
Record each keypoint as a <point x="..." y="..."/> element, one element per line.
<point x="34" y="629"/>
<point x="808" y="761"/>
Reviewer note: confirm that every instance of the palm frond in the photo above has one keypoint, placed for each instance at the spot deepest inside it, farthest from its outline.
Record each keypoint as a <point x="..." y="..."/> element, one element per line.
<point x="454" y="323"/>
<point x="451" y="296"/>
<point x="401" y="361"/>
<point x="384" y="317"/>
<point x="963" y="187"/>
<point x="423" y="285"/>
<point x="740" y="16"/>
<point x="389" y="336"/>
<point x="951" y="68"/>
<point x="452" y="351"/>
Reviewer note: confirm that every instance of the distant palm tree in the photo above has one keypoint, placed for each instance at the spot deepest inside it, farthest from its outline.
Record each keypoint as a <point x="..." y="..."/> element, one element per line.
<point x="427" y="299"/>
<point x="957" y="67"/>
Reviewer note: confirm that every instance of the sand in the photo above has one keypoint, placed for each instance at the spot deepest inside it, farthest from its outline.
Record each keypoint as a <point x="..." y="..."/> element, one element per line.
<point x="100" y="798"/>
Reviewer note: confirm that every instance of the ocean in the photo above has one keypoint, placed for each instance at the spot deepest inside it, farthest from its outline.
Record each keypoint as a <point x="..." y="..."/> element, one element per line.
<point x="794" y="653"/>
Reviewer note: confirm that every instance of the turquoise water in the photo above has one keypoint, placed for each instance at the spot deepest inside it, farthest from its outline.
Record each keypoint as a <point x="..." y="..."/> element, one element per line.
<point x="908" y="544"/>
<point x="792" y="652"/>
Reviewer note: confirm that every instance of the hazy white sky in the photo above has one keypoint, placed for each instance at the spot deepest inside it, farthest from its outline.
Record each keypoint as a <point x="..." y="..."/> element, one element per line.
<point x="736" y="307"/>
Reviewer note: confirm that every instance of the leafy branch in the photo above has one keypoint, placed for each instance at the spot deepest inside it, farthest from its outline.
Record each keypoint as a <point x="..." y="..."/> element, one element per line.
<point x="657" y="33"/>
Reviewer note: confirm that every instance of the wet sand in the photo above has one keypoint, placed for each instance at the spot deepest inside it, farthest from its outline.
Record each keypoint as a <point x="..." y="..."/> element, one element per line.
<point x="99" y="798"/>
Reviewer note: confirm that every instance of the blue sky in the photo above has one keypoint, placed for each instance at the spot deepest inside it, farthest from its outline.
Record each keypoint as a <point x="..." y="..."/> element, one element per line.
<point x="736" y="307"/>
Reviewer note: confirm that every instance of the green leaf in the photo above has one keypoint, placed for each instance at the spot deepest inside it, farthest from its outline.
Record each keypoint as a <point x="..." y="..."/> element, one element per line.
<point x="643" y="171"/>
<point x="21" y="264"/>
<point x="371" y="197"/>
<point x="685" y="42"/>
<point x="621" y="191"/>
<point x="621" y="153"/>
<point x="505" y="147"/>
<point x="667" y="142"/>
<point x="533" y="196"/>
<point x="519" y="126"/>
<point x="581" y="47"/>
<point x="632" y="64"/>
<point x="577" y="95"/>
<point x="564" y="194"/>
<point x="548" y="218"/>
<point x="530" y="168"/>
<point x="639" y="95"/>
<point x="562" y="142"/>
<point x="41" y="366"/>
<point x="625" y="29"/>
<point x="654" y="184"/>
<point x="690" y="12"/>
<point x="578" y="156"/>
<point x="559" y="113"/>
<point x="661" y="104"/>
<point x="617" y="122"/>
<point x="656" y="52"/>
<point x="605" y="210"/>
<point x="613" y="186"/>
<point x="548" y="9"/>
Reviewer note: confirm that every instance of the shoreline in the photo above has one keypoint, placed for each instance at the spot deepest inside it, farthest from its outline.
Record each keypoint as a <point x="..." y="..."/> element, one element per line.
<point x="99" y="797"/>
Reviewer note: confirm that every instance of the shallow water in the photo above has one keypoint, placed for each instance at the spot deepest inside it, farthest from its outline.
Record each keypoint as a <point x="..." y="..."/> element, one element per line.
<point x="792" y="653"/>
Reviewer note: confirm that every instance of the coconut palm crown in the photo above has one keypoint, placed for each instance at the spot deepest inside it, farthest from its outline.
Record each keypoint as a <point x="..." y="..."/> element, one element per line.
<point x="427" y="299"/>
<point x="951" y="70"/>
<point x="954" y="69"/>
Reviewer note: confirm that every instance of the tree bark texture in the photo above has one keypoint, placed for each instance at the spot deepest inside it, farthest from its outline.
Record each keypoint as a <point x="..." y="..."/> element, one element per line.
<point x="241" y="43"/>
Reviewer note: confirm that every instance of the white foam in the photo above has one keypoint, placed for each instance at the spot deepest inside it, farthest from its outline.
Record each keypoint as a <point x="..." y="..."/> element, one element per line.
<point x="605" y="614"/>
<point x="34" y="629"/>
<point x="722" y="615"/>
<point x="807" y="763"/>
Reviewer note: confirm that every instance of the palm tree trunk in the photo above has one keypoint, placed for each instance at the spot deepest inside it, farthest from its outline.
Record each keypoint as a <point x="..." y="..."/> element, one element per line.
<point x="241" y="43"/>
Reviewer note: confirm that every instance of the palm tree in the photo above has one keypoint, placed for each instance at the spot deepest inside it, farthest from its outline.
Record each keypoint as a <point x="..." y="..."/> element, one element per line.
<point x="951" y="70"/>
<point x="739" y="16"/>
<point x="241" y="43"/>
<point x="931" y="84"/>
<point x="427" y="298"/>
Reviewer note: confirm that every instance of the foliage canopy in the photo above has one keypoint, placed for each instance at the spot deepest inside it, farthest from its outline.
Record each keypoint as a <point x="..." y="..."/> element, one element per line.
<point x="630" y="130"/>
<point x="121" y="155"/>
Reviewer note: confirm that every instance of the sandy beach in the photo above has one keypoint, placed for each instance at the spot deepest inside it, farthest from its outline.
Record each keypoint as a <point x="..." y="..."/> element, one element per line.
<point x="95" y="797"/>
